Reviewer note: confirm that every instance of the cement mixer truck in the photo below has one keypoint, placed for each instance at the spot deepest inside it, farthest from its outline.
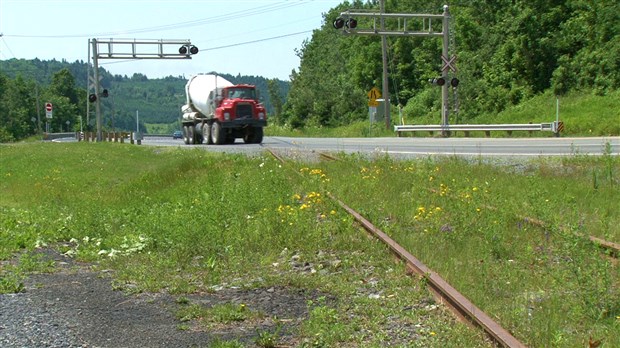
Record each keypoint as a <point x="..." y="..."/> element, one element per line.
<point x="218" y="112"/>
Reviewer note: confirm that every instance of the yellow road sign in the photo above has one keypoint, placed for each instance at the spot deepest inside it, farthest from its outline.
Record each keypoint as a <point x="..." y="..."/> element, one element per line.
<point x="374" y="93"/>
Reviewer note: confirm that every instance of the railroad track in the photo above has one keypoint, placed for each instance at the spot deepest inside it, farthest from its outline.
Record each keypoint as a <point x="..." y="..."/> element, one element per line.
<point x="462" y="307"/>
<point x="612" y="248"/>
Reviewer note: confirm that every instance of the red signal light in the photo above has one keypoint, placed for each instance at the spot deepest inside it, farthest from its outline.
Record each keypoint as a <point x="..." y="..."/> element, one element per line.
<point x="440" y="81"/>
<point x="351" y="23"/>
<point x="339" y="23"/>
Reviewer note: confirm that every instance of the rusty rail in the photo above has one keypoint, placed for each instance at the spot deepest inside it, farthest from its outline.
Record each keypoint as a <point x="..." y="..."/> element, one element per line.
<point x="328" y="156"/>
<point x="458" y="303"/>
<point x="455" y="300"/>
<point x="275" y="155"/>
<point x="462" y="307"/>
<point x="442" y="290"/>
<point x="613" y="248"/>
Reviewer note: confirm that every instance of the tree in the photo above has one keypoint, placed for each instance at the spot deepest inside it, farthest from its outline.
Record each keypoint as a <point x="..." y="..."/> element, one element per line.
<point x="17" y="109"/>
<point x="63" y="84"/>
<point x="276" y="98"/>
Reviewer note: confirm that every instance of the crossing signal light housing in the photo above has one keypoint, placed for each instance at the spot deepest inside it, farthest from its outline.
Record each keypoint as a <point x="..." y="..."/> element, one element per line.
<point x="104" y="93"/>
<point x="339" y="23"/>
<point x="439" y="81"/>
<point x="454" y="82"/>
<point x="350" y="23"/>
<point x="191" y="48"/>
<point x="92" y="98"/>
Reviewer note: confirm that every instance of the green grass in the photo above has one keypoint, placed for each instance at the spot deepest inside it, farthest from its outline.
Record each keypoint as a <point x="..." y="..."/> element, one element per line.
<point x="469" y="222"/>
<point x="219" y="314"/>
<point x="583" y="114"/>
<point x="184" y="220"/>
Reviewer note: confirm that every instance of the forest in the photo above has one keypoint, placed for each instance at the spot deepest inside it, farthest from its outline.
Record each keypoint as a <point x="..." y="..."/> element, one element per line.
<point x="26" y="85"/>
<point x="508" y="51"/>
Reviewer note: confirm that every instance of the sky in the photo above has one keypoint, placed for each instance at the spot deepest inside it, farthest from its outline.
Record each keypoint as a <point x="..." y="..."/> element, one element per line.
<point x="247" y="37"/>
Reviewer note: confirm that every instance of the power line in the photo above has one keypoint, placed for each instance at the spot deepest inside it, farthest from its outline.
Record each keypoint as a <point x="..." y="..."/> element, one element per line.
<point x="255" y="41"/>
<point x="6" y="45"/>
<point x="209" y="20"/>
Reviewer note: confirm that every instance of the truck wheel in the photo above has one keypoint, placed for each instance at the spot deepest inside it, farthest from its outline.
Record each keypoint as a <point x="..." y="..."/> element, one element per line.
<point x="254" y="136"/>
<point x="186" y="134"/>
<point x="190" y="135"/>
<point x="217" y="135"/>
<point x="258" y="135"/>
<point x="206" y="134"/>
<point x="198" y="136"/>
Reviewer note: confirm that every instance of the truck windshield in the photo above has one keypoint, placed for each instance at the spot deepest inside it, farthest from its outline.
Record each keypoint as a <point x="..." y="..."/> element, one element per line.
<point x="243" y="93"/>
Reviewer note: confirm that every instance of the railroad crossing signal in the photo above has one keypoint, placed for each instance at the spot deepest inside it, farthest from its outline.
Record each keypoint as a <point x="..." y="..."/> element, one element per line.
<point x="129" y="49"/>
<point x="408" y="24"/>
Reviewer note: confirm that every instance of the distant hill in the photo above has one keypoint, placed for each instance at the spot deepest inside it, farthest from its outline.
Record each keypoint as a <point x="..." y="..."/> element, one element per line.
<point x="158" y="100"/>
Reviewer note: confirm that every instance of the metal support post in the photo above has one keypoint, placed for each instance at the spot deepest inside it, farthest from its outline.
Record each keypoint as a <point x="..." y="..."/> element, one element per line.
<point x="445" y="108"/>
<point x="88" y="86"/>
<point x="386" y="90"/>
<point x="97" y="88"/>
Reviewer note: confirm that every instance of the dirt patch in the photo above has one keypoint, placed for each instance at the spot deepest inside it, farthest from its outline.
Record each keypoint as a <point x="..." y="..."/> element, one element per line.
<point x="77" y="307"/>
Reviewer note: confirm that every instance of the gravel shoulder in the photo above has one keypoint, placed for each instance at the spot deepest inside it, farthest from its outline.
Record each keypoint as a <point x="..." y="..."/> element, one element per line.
<point x="77" y="307"/>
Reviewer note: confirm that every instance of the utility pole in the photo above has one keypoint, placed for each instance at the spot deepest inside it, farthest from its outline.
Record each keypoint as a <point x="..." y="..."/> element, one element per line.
<point x="36" y="88"/>
<point x="386" y="90"/>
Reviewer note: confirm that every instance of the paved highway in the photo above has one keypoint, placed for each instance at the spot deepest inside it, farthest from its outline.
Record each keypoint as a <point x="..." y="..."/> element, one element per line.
<point x="415" y="147"/>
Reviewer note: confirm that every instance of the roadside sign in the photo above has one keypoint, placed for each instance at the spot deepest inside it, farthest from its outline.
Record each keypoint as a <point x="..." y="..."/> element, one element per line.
<point x="373" y="103"/>
<point x="48" y="110"/>
<point x="374" y="93"/>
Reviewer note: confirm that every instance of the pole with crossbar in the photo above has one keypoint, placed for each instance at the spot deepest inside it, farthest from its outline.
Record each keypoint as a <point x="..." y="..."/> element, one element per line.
<point x="131" y="49"/>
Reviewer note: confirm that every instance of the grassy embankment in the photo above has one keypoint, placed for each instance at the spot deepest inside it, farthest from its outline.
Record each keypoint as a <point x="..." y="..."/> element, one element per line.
<point x="583" y="114"/>
<point x="186" y="220"/>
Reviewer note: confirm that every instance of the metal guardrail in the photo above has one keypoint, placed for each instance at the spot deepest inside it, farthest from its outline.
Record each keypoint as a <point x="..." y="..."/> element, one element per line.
<point x="555" y="127"/>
